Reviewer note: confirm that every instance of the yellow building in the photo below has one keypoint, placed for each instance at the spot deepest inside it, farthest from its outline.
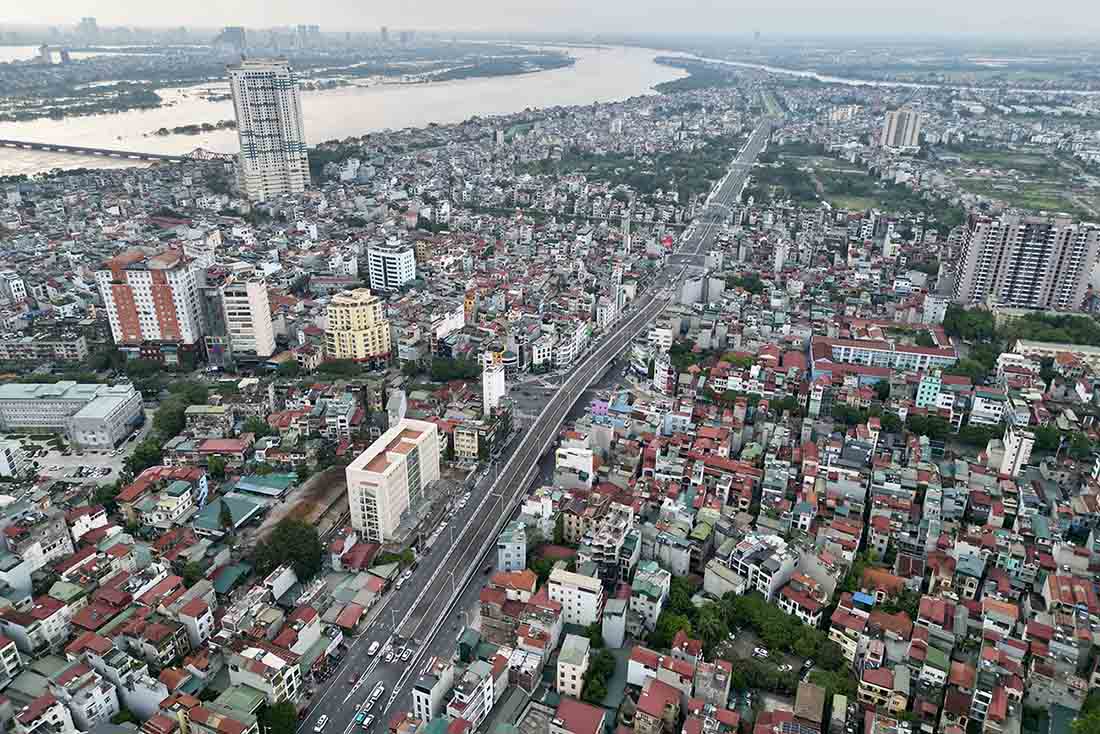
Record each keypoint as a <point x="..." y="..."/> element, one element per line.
<point x="357" y="328"/>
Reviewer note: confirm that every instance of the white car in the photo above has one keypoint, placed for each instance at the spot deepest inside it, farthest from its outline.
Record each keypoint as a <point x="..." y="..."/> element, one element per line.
<point x="760" y="652"/>
<point x="321" y="722"/>
<point x="389" y="656"/>
<point x="406" y="654"/>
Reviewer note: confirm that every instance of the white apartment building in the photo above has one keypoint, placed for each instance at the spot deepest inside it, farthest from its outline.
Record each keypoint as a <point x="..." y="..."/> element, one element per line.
<point x="648" y="593"/>
<point x="572" y="665"/>
<point x="493" y="387"/>
<point x="581" y="597"/>
<point x="389" y="478"/>
<point x="431" y="688"/>
<point x="12" y="286"/>
<point x="13" y="460"/>
<point x="151" y="298"/>
<point x="268" y="107"/>
<point x="1017" y="450"/>
<point x="901" y="129"/>
<point x="248" y="316"/>
<point x="269" y="669"/>
<point x="391" y="265"/>
<point x="764" y="561"/>
<point x="473" y="696"/>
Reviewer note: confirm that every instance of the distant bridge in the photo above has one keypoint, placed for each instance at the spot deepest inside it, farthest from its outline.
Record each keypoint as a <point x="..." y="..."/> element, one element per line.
<point x="198" y="154"/>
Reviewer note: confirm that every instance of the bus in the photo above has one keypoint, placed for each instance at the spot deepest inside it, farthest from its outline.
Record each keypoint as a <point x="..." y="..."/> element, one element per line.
<point x="373" y="649"/>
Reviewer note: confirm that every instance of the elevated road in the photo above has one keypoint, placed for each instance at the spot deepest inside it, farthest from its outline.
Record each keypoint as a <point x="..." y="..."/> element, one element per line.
<point x="416" y="615"/>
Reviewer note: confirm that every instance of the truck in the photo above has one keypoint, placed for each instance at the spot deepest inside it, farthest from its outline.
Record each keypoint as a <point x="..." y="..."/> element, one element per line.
<point x="373" y="649"/>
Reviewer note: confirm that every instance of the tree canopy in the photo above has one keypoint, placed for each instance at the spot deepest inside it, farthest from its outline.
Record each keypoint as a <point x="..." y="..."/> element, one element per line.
<point x="293" y="542"/>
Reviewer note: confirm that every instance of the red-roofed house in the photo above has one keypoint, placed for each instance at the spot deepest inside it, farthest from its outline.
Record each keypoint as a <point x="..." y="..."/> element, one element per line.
<point x="658" y="708"/>
<point x="576" y="717"/>
<point x="44" y="714"/>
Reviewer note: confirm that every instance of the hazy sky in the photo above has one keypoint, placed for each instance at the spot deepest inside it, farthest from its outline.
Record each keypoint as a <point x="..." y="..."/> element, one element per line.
<point x="775" y="17"/>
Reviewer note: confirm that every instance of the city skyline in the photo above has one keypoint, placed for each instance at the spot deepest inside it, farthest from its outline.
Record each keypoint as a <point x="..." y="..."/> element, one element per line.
<point x="782" y="19"/>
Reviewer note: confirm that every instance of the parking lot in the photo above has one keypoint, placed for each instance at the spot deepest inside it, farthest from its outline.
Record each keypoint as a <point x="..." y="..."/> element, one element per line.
<point x="101" y="467"/>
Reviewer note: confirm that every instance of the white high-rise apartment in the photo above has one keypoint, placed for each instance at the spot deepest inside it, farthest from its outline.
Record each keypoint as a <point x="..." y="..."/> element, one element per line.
<point x="391" y="265"/>
<point x="1017" y="450"/>
<point x="901" y="129"/>
<point x="1026" y="262"/>
<point x="492" y="382"/>
<point x="151" y="298"/>
<point x="248" y="316"/>
<point x="389" y="478"/>
<point x="268" y="105"/>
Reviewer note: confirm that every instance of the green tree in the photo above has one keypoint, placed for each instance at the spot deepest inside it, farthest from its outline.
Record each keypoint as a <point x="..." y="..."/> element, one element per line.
<point x="559" y="529"/>
<point x="146" y="454"/>
<point x="594" y="633"/>
<point x="170" y="419"/>
<point x="711" y="627"/>
<point x="192" y="573"/>
<point x="668" y="624"/>
<point x="882" y="390"/>
<point x="257" y="426"/>
<point x="292" y="541"/>
<point x="280" y="718"/>
<point x="225" y="517"/>
<point x="124" y="716"/>
<point x="288" y="370"/>
<point x="107" y="494"/>
<point x="830" y="656"/>
<point x="215" y="467"/>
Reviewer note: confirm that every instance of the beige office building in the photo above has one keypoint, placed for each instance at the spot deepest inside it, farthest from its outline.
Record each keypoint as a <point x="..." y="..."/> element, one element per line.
<point x="1026" y="261"/>
<point x="357" y="328"/>
<point x="388" y="479"/>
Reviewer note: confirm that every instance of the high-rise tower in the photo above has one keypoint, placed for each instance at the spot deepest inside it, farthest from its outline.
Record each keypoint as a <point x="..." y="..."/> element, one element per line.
<point x="268" y="105"/>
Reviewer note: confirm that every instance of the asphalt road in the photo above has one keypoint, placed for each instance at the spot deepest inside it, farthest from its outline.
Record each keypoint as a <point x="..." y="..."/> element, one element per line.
<point x="422" y="614"/>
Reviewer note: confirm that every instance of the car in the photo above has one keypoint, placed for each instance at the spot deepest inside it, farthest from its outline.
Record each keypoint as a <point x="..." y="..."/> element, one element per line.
<point x="406" y="655"/>
<point x="379" y="689"/>
<point x="352" y="678"/>
<point x="321" y="723"/>
<point x="760" y="652"/>
<point x="389" y="656"/>
<point x="368" y="722"/>
<point x="359" y="717"/>
<point x="785" y="668"/>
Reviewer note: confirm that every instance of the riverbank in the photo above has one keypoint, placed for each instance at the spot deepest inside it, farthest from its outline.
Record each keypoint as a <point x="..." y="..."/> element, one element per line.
<point x="598" y="74"/>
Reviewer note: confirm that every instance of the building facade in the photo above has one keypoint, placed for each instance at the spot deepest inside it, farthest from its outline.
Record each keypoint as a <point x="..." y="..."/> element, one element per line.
<point x="151" y="298"/>
<point x="357" y="328"/>
<point x="1026" y="262"/>
<point x="248" y="317"/>
<point x="388" y="479"/>
<point x="901" y="129"/>
<point x="268" y="107"/>
<point x="390" y="266"/>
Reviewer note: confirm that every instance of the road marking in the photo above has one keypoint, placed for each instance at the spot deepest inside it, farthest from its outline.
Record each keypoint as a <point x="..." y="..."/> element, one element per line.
<point x="643" y="313"/>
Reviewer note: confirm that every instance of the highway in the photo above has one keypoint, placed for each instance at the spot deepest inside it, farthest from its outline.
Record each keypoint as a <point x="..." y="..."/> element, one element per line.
<point x="421" y="615"/>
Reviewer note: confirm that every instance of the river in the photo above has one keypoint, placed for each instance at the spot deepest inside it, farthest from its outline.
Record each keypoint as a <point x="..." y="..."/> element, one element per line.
<point x="599" y="75"/>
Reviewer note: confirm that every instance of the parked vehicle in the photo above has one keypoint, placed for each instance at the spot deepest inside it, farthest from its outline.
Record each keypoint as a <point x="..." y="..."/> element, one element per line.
<point x="321" y="723"/>
<point x="368" y="722"/>
<point x="373" y="649"/>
